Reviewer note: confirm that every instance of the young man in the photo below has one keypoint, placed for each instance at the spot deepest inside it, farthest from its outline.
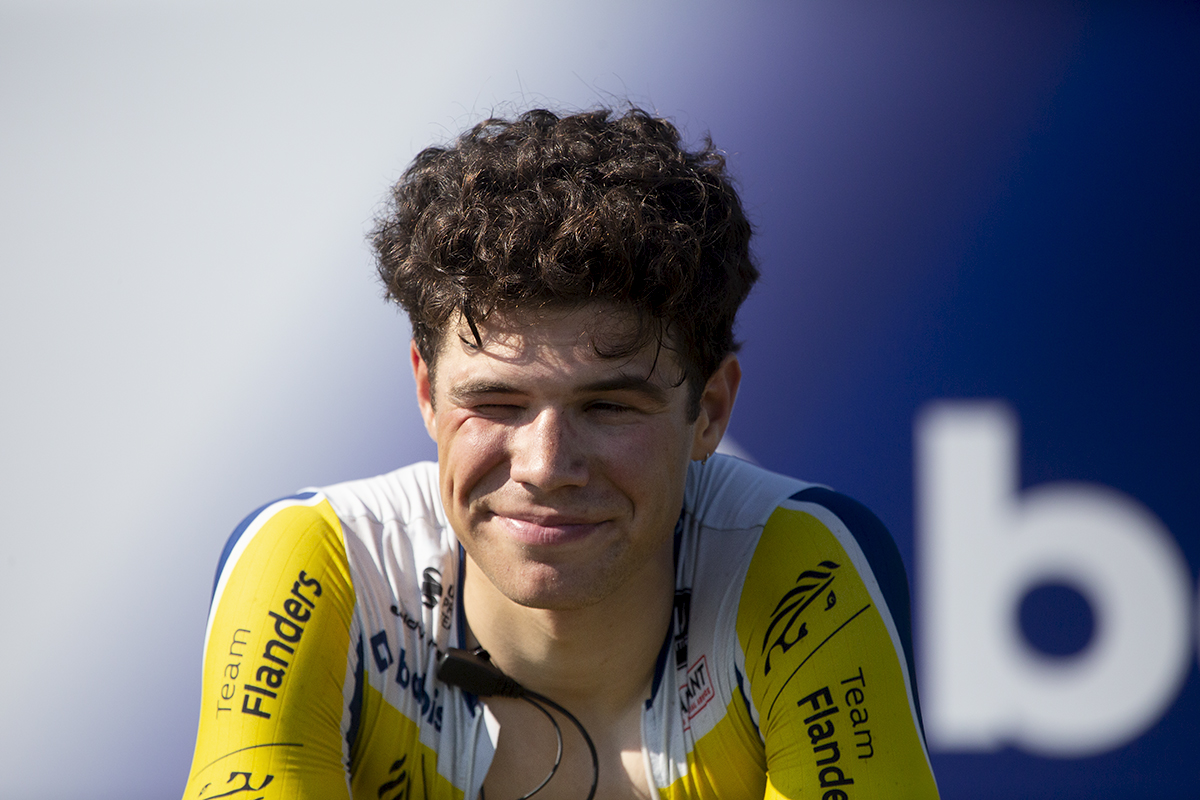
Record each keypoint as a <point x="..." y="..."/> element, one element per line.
<point x="712" y="629"/>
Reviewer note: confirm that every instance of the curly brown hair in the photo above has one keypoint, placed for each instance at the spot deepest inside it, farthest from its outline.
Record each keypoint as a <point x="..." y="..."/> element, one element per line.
<point x="544" y="212"/>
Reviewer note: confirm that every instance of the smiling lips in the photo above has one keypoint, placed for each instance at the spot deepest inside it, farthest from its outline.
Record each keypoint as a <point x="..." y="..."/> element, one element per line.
<point x="535" y="529"/>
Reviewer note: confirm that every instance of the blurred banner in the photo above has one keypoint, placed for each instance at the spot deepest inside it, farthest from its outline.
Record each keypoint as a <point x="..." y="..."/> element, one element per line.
<point x="978" y="230"/>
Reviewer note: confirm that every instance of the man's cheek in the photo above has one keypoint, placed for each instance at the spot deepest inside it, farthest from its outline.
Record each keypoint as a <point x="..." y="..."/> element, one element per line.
<point x="471" y="470"/>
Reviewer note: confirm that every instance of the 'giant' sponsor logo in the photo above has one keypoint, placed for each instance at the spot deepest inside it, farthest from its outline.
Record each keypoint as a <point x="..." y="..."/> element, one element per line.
<point x="696" y="692"/>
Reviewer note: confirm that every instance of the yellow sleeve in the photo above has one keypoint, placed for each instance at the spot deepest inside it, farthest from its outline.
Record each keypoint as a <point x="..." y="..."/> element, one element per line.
<point x="830" y="681"/>
<point x="278" y="671"/>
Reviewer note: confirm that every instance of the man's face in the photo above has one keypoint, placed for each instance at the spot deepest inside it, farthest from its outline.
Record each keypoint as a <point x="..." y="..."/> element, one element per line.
<point x="562" y="472"/>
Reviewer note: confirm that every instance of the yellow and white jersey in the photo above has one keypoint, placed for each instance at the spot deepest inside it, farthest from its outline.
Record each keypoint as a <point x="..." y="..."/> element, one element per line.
<point x="787" y="671"/>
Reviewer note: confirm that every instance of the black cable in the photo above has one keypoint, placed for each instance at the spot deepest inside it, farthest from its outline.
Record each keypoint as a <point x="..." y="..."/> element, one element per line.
<point x="474" y="672"/>
<point x="528" y="698"/>
<point x="591" y="747"/>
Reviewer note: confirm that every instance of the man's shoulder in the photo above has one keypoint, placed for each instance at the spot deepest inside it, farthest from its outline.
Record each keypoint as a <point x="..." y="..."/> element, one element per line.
<point x="820" y="561"/>
<point x="850" y="528"/>
<point x="730" y="493"/>
<point x="795" y="527"/>
<point x="402" y="501"/>
<point x="734" y="494"/>
<point x="403" y="495"/>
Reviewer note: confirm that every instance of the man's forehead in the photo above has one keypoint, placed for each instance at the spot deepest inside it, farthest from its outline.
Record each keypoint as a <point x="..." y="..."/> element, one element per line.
<point x="598" y="333"/>
<point x="598" y="326"/>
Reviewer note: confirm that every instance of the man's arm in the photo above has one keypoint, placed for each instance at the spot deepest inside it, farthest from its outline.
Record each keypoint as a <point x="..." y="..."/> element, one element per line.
<point x="824" y="626"/>
<point x="278" y="701"/>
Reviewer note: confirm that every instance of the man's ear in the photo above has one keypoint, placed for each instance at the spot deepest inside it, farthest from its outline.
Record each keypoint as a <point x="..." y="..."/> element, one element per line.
<point x="424" y="388"/>
<point x="716" y="407"/>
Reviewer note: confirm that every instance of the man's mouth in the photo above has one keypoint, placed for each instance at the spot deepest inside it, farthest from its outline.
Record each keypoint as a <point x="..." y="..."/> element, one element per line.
<point x="546" y="529"/>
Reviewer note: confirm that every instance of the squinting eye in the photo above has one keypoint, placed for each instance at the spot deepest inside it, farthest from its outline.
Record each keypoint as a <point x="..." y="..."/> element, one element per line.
<point x="608" y="407"/>
<point x="496" y="409"/>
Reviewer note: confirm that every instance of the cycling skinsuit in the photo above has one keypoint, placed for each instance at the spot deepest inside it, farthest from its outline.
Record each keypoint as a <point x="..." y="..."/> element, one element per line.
<point x="787" y="670"/>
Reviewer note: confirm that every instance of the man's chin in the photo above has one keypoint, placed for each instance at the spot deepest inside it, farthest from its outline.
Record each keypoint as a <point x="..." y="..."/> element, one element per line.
<point x="552" y="589"/>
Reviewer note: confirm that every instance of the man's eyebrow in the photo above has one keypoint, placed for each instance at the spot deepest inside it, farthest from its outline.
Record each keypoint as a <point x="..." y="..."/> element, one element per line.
<point x="474" y="389"/>
<point x="629" y="383"/>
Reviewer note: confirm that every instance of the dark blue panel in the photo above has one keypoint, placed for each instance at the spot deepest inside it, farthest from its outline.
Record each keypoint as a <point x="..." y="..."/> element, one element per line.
<point x="884" y="558"/>
<point x="356" y="700"/>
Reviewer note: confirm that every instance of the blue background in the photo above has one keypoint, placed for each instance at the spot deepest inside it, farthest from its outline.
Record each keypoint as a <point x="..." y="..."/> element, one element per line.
<point x="1052" y="262"/>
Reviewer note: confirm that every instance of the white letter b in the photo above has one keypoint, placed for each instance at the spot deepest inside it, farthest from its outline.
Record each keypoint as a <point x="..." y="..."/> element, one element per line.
<point x="982" y="547"/>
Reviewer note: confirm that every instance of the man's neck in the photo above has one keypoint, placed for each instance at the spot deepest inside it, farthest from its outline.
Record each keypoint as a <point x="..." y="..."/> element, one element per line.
<point x="596" y="660"/>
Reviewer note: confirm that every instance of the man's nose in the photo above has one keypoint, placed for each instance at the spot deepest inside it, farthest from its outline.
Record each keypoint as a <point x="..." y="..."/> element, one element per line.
<point x="546" y="452"/>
